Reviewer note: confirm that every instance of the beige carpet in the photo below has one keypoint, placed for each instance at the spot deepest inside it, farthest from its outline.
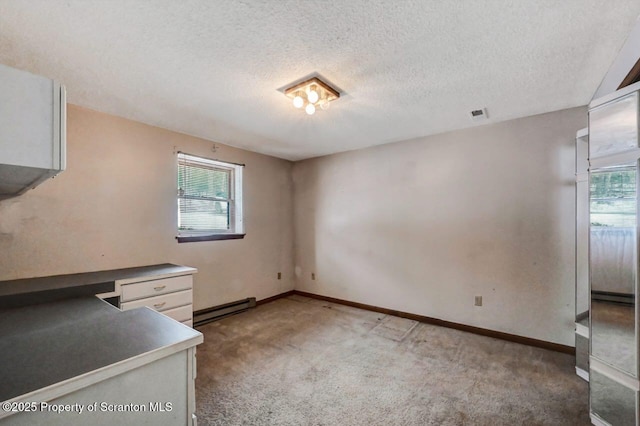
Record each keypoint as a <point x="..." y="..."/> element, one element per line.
<point x="300" y="361"/>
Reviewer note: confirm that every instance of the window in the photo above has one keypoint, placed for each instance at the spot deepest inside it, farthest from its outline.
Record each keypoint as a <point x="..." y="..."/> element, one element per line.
<point x="209" y="199"/>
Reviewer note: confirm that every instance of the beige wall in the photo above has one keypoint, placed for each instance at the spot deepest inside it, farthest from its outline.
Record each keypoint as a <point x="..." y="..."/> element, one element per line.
<point x="420" y="226"/>
<point x="424" y="226"/>
<point x="115" y="207"/>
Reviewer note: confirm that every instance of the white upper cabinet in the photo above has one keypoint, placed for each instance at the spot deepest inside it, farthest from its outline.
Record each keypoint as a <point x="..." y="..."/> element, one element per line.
<point x="32" y="130"/>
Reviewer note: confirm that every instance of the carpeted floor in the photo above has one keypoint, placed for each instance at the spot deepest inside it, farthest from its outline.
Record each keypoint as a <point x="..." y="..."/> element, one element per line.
<point x="300" y="361"/>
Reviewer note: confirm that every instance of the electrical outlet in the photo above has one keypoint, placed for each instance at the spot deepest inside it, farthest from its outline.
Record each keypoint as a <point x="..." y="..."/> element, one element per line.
<point x="279" y="275"/>
<point x="478" y="300"/>
<point x="313" y="276"/>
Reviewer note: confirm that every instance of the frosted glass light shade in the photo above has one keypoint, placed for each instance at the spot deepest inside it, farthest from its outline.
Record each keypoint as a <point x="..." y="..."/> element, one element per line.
<point x="298" y="101"/>
<point x="313" y="96"/>
<point x="310" y="109"/>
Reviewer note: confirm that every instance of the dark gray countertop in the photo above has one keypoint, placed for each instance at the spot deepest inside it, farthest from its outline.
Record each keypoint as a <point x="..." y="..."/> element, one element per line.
<point x="44" y="344"/>
<point x="27" y="291"/>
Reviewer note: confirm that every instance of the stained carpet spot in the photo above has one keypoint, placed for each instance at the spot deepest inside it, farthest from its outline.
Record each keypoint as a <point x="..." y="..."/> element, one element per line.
<point x="394" y="328"/>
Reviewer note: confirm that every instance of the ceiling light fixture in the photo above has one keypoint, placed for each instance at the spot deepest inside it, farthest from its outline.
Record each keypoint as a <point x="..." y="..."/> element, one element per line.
<point x="311" y="94"/>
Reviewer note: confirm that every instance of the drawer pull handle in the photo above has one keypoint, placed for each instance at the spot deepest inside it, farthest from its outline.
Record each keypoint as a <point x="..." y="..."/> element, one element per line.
<point x="159" y="305"/>
<point x="160" y="287"/>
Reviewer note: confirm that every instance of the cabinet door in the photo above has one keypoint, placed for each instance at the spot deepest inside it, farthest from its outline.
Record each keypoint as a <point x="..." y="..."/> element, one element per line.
<point x="32" y="130"/>
<point x="27" y="119"/>
<point x="582" y="232"/>
<point x="614" y="266"/>
<point x="613" y="237"/>
<point x="613" y="258"/>
<point x="613" y="127"/>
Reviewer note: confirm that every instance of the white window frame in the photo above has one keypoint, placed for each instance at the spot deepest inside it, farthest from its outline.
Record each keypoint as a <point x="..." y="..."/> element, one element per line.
<point x="236" y="222"/>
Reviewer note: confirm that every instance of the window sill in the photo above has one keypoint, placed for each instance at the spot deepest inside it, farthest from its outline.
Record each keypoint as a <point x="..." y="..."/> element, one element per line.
<point x="213" y="237"/>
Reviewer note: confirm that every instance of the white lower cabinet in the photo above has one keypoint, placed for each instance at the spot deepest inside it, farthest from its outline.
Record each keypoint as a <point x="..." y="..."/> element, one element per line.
<point x="161" y="393"/>
<point x="172" y="297"/>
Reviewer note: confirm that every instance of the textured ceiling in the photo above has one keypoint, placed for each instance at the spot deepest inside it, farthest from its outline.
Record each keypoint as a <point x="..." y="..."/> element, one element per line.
<point x="406" y="68"/>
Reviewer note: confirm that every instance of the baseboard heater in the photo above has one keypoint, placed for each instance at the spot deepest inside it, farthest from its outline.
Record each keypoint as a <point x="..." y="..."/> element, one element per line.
<point x="215" y="313"/>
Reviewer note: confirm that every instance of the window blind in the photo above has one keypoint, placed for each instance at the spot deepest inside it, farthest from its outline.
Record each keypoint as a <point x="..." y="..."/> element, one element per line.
<point x="206" y="196"/>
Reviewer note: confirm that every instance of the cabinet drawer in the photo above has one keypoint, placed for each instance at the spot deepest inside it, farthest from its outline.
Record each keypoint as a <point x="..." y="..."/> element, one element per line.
<point x="181" y="314"/>
<point x="143" y="289"/>
<point x="163" y="302"/>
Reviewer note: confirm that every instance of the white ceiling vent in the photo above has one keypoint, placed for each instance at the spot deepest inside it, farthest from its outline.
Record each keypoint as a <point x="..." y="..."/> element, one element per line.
<point x="479" y="114"/>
